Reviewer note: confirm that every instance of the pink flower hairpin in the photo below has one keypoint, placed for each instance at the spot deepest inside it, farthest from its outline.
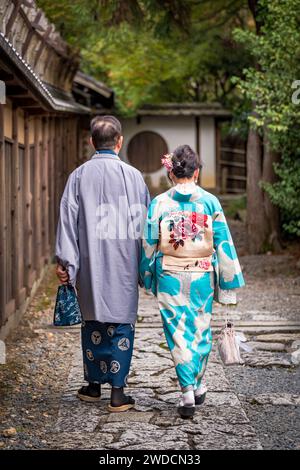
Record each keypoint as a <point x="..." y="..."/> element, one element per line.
<point x="167" y="161"/>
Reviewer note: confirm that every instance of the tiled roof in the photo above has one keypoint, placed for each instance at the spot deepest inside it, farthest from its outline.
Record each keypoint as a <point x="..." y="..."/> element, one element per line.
<point x="45" y="92"/>
<point x="184" y="109"/>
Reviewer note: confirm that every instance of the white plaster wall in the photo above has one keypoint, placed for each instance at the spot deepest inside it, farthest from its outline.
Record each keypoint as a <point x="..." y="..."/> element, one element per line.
<point x="176" y="130"/>
<point x="208" y="152"/>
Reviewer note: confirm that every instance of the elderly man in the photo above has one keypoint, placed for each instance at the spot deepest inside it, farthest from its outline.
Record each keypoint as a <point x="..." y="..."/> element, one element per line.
<point x="98" y="248"/>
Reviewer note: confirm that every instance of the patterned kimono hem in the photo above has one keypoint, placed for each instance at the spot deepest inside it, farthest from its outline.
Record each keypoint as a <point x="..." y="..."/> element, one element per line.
<point x="184" y="235"/>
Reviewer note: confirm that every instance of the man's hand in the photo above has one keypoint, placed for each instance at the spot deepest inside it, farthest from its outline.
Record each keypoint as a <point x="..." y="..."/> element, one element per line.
<point x="62" y="274"/>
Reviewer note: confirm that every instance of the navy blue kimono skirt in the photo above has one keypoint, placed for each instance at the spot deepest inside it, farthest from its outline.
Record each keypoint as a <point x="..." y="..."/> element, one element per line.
<point x="107" y="352"/>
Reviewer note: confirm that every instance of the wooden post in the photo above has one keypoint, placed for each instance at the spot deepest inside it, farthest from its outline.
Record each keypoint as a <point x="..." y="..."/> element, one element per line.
<point x="7" y="188"/>
<point x="2" y="220"/>
<point x="13" y="16"/>
<point x="70" y="147"/>
<point x="17" y="246"/>
<point x="80" y="136"/>
<point x="72" y="155"/>
<point x="45" y="194"/>
<point x="28" y="265"/>
<point x="66" y="142"/>
<point x="224" y="178"/>
<point x="63" y="154"/>
<point x="75" y="146"/>
<point x="37" y="197"/>
<point x="51" y="182"/>
<point x="43" y="186"/>
<point x="56" y="165"/>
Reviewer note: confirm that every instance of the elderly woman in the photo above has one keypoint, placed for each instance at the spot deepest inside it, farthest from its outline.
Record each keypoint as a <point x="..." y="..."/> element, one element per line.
<point x="188" y="258"/>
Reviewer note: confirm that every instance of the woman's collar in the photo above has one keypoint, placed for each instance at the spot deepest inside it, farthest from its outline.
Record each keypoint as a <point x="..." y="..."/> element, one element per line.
<point x="186" y="188"/>
<point x="190" y="193"/>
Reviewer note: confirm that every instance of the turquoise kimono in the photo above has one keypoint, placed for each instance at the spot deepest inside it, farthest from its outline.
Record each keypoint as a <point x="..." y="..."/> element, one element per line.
<point x="188" y="257"/>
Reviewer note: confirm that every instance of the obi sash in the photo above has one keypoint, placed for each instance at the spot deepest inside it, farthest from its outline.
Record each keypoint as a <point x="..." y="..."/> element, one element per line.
<point x="175" y="264"/>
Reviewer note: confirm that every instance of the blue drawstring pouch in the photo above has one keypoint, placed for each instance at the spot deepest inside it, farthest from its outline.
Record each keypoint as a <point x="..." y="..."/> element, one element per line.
<point x="66" y="311"/>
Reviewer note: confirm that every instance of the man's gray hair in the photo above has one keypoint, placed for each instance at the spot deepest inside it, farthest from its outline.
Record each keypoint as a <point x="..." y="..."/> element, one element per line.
<point x="105" y="131"/>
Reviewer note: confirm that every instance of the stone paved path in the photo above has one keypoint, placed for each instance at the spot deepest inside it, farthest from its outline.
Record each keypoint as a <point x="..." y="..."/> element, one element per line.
<point x="154" y="424"/>
<point x="254" y="406"/>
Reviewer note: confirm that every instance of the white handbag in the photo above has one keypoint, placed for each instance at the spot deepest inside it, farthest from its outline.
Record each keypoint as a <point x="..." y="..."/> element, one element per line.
<point x="228" y="348"/>
<point x="229" y="344"/>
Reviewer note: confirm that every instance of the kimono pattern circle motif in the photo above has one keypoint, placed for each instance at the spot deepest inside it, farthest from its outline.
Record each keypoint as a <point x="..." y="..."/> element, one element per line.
<point x="190" y="232"/>
<point x="107" y="351"/>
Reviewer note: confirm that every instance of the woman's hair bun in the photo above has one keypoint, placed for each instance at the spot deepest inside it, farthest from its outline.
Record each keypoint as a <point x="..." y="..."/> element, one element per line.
<point x="185" y="161"/>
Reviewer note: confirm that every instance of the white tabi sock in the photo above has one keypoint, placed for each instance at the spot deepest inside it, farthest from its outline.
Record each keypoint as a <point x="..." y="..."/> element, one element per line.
<point x="200" y="390"/>
<point x="188" y="398"/>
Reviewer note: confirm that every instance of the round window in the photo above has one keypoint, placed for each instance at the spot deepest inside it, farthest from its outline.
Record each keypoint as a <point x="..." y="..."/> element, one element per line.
<point x="145" y="150"/>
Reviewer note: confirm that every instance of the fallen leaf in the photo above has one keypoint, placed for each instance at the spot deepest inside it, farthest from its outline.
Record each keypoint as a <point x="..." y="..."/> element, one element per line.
<point x="9" y="432"/>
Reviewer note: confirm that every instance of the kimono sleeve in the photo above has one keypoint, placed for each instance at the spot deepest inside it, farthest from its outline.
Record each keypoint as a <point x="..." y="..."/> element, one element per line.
<point x="229" y="270"/>
<point x="149" y="246"/>
<point x="67" y="248"/>
<point x="146" y="199"/>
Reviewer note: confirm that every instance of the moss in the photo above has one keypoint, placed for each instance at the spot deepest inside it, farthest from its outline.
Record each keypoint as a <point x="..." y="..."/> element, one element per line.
<point x="235" y="207"/>
<point x="47" y="291"/>
<point x="163" y="346"/>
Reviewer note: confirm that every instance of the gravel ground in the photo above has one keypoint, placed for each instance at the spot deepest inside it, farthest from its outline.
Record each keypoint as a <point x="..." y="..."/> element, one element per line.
<point x="39" y="359"/>
<point x="277" y="426"/>
<point x="31" y="382"/>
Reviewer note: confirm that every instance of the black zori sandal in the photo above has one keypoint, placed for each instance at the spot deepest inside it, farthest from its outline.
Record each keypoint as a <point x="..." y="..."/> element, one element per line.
<point x="119" y="401"/>
<point x="90" y="393"/>
<point x="200" y="399"/>
<point x="186" y="412"/>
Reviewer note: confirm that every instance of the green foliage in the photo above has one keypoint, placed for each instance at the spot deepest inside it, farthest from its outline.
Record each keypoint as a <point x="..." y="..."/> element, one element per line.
<point x="276" y="52"/>
<point x="74" y="19"/>
<point x="269" y="85"/>
<point x="235" y="207"/>
<point x="156" y="50"/>
<point x="286" y="194"/>
<point x="133" y="72"/>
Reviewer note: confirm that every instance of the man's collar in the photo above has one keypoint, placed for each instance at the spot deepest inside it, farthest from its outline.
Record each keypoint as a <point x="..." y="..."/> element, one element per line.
<point x="106" y="151"/>
<point x="106" y="154"/>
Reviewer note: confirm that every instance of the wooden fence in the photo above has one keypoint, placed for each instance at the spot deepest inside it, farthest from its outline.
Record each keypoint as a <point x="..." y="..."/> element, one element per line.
<point x="32" y="177"/>
<point x="232" y="168"/>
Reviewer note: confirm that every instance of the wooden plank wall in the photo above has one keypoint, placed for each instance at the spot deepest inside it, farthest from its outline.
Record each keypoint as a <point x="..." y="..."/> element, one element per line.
<point x="32" y="178"/>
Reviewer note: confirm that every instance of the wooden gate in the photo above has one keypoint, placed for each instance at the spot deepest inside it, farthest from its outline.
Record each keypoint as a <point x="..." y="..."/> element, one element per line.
<point x="232" y="173"/>
<point x="145" y="150"/>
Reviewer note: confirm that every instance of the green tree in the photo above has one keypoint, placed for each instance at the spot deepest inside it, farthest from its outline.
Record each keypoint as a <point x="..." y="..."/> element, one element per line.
<point x="155" y="51"/>
<point x="274" y="138"/>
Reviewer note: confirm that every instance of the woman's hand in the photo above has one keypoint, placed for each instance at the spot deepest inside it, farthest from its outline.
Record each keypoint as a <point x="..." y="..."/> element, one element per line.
<point x="62" y="274"/>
